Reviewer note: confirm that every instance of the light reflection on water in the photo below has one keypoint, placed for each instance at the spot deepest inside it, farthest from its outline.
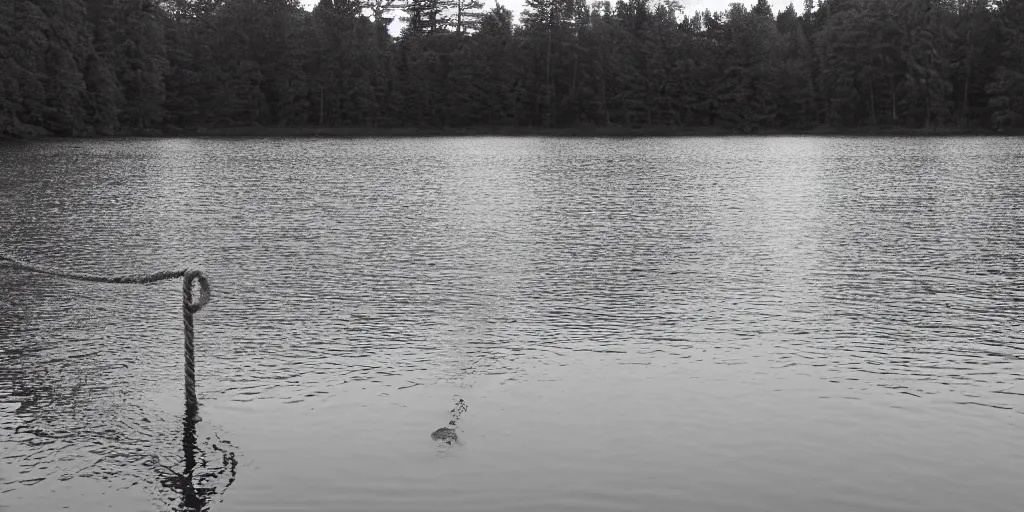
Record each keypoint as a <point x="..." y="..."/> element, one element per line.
<point x="714" y="323"/>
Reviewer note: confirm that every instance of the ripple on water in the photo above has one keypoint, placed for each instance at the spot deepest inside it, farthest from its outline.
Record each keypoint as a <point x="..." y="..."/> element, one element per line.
<point x="869" y="270"/>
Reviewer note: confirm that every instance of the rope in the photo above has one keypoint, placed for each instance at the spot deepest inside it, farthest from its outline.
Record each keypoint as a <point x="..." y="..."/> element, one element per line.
<point x="189" y="305"/>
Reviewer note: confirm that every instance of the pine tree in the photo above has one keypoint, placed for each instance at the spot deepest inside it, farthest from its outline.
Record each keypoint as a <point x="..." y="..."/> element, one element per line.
<point x="464" y="15"/>
<point x="1007" y="85"/>
<point x="424" y="17"/>
<point x="79" y="67"/>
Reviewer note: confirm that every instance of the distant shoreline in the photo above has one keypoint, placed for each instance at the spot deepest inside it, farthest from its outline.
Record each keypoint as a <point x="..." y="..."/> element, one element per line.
<point x="579" y="131"/>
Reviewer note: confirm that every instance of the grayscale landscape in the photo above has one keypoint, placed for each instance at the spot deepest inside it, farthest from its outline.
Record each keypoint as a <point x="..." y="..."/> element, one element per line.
<point x="535" y="256"/>
<point x="697" y="323"/>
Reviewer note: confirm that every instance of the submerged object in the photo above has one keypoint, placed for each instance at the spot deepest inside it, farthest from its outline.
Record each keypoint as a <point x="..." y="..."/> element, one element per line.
<point x="445" y="434"/>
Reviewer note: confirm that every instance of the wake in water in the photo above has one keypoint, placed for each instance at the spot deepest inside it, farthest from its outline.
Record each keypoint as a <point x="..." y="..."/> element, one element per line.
<point x="447" y="434"/>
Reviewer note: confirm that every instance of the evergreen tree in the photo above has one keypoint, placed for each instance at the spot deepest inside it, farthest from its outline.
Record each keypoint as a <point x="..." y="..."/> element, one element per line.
<point x="83" y="67"/>
<point x="464" y="15"/>
<point x="1007" y="85"/>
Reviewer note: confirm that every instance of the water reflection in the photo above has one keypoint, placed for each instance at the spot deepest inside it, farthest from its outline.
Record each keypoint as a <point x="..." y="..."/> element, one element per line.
<point x="197" y="484"/>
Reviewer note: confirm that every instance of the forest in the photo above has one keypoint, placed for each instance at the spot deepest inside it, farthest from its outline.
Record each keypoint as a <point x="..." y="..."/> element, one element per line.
<point x="109" y="67"/>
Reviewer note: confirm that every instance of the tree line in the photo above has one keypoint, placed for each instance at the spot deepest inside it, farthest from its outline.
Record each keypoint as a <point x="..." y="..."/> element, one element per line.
<point x="99" y="67"/>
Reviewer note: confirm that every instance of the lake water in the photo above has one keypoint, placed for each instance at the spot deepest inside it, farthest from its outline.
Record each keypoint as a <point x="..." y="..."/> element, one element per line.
<point x="713" y="324"/>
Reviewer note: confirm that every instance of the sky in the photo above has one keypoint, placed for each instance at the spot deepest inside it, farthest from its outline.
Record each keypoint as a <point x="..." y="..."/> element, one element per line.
<point x="689" y="6"/>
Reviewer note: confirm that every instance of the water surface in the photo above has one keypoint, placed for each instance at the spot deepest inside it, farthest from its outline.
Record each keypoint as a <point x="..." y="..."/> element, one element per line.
<point x="709" y="324"/>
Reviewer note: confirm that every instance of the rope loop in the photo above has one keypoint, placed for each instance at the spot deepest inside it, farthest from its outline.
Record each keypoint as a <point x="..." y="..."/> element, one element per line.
<point x="195" y="304"/>
<point x="190" y="304"/>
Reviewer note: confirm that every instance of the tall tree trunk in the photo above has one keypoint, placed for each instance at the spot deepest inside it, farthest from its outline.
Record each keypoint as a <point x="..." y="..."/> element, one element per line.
<point x="575" y="65"/>
<point x="547" y="81"/>
<point x="967" y="78"/>
<point x="458" y="17"/>
<point x="604" y="101"/>
<point x="892" y="87"/>
<point x="572" y="90"/>
<point x="927" y="104"/>
<point x="871" y="87"/>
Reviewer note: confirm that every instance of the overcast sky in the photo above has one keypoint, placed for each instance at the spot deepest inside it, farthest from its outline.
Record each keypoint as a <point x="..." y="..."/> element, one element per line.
<point x="516" y="6"/>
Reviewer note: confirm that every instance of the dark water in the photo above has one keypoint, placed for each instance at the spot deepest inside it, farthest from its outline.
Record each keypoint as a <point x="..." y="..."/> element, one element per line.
<point x="800" y="324"/>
